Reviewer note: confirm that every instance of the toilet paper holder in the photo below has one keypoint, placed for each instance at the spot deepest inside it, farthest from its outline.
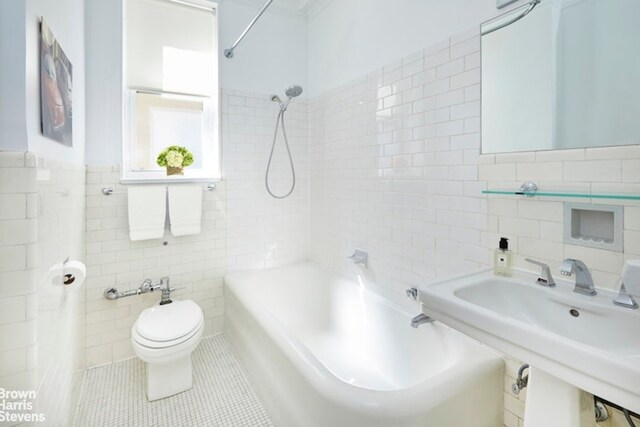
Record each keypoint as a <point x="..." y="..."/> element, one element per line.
<point x="73" y="271"/>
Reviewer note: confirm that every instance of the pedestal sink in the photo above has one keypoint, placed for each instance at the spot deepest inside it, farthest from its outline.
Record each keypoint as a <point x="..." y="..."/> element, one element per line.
<point x="572" y="341"/>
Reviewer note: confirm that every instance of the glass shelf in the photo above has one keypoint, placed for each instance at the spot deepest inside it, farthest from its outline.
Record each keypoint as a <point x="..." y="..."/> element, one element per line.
<point x="617" y="196"/>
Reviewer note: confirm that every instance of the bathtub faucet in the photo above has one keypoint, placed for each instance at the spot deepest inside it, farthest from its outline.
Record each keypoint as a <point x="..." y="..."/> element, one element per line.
<point x="420" y="319"/>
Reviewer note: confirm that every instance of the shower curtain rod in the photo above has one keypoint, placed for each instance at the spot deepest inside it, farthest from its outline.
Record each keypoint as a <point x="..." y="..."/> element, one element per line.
<point x="229" y="52"/>
<point x="529" y="7"/>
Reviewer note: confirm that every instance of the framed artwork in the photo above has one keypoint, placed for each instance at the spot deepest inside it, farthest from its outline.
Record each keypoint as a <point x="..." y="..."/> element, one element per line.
<point x="56" y="89"/>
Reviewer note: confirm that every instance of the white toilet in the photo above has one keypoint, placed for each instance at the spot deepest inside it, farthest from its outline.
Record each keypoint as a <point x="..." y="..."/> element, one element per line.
<point x="164" y="336"/>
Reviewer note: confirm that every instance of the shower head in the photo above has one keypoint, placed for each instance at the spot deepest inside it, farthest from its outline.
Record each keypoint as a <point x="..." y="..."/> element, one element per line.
<point x="294" y="91"/>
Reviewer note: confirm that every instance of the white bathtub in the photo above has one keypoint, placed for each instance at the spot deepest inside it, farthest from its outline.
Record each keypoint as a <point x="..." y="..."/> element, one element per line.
<point x="323" y="351"/>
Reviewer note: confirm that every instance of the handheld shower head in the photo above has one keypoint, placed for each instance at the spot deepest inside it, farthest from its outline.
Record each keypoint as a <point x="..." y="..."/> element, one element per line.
<point x="294" y="91"/>
<point x="291" y="92"/>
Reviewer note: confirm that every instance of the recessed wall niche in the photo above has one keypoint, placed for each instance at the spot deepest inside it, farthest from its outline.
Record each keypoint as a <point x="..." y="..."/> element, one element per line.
<point x="595" y="226"/>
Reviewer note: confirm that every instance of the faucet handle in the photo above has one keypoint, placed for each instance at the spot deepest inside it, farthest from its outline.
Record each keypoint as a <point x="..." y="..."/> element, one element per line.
<point x="623" y="299"/>
<point x="546" y="278"/>
<point x="147" y="285"/>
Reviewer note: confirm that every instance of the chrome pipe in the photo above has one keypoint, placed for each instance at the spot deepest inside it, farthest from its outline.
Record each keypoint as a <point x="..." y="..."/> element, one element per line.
<point x="229" y="52"/>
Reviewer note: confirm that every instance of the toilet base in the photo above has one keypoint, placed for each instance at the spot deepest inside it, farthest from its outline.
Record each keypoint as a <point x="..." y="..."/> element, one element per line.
<point x="167" y="379"/>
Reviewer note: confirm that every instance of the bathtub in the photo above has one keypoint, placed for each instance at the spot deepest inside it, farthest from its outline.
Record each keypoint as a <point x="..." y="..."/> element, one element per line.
<point x="324" y="351"/>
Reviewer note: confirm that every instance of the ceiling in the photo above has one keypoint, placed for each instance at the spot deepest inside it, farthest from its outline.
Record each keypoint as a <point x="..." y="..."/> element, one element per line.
<point x="302" y="8"/>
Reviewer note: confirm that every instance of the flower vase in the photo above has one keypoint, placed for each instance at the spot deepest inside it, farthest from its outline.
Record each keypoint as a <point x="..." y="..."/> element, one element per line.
<point x="175" y="171"/>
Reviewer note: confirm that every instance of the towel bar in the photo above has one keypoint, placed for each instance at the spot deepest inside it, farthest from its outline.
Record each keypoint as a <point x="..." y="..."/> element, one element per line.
<point x="108" y="191"/>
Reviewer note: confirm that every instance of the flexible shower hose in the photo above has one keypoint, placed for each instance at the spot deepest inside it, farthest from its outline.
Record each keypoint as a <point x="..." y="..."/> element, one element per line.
<point x="280" y="120"/>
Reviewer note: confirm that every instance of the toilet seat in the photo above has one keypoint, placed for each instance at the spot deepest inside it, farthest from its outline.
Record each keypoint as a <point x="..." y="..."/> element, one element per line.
<point x="167" y="325"/>
<point x="146" y="342"/>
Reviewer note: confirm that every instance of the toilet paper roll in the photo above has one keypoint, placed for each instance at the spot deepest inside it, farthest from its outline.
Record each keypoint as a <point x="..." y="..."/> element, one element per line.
<point x="50" y="292"/>
<point x="73" y="274"/>
<point x="631" y="277"/>
<point x="53" y="277"/>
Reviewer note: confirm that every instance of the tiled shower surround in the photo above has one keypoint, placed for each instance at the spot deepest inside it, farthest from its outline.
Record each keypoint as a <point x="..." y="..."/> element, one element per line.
<point x="394" y="168"/>
<point x="262" y="231"/>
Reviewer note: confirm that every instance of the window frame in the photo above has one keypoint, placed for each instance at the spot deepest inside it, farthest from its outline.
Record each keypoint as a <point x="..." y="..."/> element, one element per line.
<point x="127" y="174"/>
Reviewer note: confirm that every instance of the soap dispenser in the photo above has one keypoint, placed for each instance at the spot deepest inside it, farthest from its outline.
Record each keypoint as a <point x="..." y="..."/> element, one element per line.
<point x="502" y="259"/>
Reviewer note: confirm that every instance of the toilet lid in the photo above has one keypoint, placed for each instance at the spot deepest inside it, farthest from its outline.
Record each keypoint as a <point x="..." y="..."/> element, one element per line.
<point x="170" y="321"/>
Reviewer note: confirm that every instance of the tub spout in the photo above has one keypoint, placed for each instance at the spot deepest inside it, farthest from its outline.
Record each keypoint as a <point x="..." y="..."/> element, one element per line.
<point x="420" y="319"/>
<point x="359" y="258"/>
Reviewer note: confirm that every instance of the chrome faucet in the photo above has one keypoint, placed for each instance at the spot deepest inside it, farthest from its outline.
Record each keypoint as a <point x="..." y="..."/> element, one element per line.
<point x="584" y="281"/>
<point x="545" y="278"/>
<point x="624" y="299"/>
<point x="412" y="293"/>
<point x="420" y="319"/>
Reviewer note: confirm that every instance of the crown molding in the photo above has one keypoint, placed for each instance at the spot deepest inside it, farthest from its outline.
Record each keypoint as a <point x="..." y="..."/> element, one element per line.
<point x="313" y="7"/>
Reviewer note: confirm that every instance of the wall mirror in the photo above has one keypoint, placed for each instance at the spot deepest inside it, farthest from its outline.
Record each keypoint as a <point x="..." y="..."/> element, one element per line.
<point x="560" y="74"/>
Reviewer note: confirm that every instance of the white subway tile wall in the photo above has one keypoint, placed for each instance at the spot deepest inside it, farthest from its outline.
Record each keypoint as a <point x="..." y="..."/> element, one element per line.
<point x="263" y="231"/>
<point x="394" y="168"/>
<point x="195" y="263"/>
<point x="60" y="205"/>
<point x="18" y="283"/>
<point x="535" y="226"/>
<point x="41" y="325"/>
<point x="243" y="228"/>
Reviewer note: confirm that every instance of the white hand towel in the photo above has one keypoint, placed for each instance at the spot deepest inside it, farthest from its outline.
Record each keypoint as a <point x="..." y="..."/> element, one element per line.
<point x="185" y="209"/>
<point x="147" y="211"/>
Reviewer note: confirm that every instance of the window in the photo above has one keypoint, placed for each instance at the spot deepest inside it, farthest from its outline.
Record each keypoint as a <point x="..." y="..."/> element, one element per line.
<point x="171" y="78"/>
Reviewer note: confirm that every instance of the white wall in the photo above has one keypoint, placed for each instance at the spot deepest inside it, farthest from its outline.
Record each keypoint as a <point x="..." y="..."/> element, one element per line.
<point x="348" y="38"/>
<point x="20" y="82"/>
<point x="104" y="89"/>
<point x="12" y="78"/>
<point x="65" y="18"/>
<point x="270" y="58"/>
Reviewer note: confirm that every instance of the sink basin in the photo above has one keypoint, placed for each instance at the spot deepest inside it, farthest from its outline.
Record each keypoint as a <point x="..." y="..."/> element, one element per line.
<point x="585" y="341"/>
